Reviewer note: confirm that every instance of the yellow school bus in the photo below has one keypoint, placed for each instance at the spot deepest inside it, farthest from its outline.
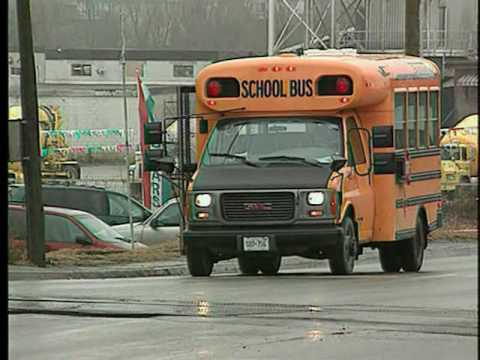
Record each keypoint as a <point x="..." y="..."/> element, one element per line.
<point x="316" y="155"/>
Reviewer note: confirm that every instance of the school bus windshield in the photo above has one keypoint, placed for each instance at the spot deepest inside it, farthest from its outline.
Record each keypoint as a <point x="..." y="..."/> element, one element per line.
<point x="273" y="139"/>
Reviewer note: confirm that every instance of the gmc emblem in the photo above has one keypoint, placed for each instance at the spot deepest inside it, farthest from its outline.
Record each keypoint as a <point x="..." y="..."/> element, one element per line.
<point x="258" y="206"/>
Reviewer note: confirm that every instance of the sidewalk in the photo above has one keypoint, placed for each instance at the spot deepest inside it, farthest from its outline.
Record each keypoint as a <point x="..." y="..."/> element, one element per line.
<point x="178" y="267"/>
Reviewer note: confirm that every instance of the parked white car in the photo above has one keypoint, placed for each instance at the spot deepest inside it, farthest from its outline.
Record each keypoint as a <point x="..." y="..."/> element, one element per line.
<point x="164" y="224"/>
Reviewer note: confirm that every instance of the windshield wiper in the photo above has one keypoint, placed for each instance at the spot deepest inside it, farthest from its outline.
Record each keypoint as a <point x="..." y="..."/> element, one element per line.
<point x="233" y="156"/>
<point x="295" y="158"/>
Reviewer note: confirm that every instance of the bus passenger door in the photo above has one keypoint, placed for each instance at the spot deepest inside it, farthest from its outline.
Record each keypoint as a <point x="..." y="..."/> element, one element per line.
<point x="358" y="188"/>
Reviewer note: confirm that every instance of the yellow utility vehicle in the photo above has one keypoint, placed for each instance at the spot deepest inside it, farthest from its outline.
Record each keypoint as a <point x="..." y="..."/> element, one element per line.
<point x="55" y="164"/>
<point x="460" y="153"/>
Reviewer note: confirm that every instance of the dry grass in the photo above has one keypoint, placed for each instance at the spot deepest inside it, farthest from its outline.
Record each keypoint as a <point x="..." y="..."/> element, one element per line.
<point x="17" y="254"/>
<point x="456" y="229"/>
<point x="168" y="250"/>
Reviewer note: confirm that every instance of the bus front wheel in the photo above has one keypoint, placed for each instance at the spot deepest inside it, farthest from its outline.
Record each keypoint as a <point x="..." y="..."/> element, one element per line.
<point x="343" y="258"/>
<point x="199" y="262"/>
<point x="413" y="249"/>
<point x="270" y="265"/>
<point x="247" y="266"/>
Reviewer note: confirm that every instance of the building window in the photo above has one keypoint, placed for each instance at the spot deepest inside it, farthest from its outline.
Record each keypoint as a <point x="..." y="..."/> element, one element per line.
<point x="81" y="69"/>
<point x="422" y="119"/>
<point x="433" y="119"/>
<point x="399" y="120"/>
<point x="185" y="71"/>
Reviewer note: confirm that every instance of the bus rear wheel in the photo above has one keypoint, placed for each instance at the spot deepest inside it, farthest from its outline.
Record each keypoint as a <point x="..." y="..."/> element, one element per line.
<point x="390" y="259"/>
<point x="343" y="258"/>
<point x="199" y="262"/>
<point x="413" y="249"/>
<point x="247" y="266"/>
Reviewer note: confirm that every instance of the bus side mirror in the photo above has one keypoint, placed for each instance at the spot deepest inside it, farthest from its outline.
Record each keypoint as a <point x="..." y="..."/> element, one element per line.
<point x="337" y="164"/>
<point x="190" y="168"/>
<point x="382" y="136"/>
<point x="203" y="126"/>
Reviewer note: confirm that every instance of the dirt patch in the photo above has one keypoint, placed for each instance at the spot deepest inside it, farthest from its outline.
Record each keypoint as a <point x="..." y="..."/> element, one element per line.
<point x="460" y="213"/>
<point x="169" y="250"/>
<point x="455" y="234"/>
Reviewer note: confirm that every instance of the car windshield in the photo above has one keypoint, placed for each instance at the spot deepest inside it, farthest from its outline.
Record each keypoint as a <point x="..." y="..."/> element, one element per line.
<point x="259" y="141"/>
<point x="98" y="228"/>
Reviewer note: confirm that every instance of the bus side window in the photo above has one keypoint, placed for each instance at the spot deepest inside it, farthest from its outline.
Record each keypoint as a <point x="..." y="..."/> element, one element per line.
<point x="433" y="119"/>
<point x="412" y="120"/>
<point x="399" y="107"/>
<point x="422" y="119"/>
<point x="356" y="142"/>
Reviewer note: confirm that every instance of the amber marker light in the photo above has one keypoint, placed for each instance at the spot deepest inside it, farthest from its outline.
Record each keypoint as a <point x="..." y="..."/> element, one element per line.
<point x="333" y="207"/>
<point x="315" y="213"/>
<point x="202" y="215"/>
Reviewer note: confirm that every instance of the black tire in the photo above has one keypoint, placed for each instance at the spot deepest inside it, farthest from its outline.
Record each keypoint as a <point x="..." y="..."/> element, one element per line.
<point x="247" y="266"/>
<point x="73" y="172"/>
<point x="390" y="259"/>
<point x="270" y="265"/>
<point x="413" y="249"/>
<point x="199" y="262"/>
<point x="342" y="261"/>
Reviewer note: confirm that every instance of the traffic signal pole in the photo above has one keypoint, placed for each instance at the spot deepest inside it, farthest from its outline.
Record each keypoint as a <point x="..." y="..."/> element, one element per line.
<point x="31" y="147"/>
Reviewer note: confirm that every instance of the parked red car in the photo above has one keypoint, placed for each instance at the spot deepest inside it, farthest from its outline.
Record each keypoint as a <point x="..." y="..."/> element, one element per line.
<point x="66" y="228"/>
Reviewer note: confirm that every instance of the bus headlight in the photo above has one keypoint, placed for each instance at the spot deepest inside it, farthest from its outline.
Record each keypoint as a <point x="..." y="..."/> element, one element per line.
<point x="316" y="198"/>
<point x="203" y="200"/>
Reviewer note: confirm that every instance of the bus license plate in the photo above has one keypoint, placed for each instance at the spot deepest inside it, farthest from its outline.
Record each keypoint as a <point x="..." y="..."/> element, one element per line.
<point x="256" y="243"/>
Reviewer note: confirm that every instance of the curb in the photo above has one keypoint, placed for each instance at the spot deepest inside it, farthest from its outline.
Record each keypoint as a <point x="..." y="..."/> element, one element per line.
<point x="155" y="270"/>
<point x="17" y="273"/>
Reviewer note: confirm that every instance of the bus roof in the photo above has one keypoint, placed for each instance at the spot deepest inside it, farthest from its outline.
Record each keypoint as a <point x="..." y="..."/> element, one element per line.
<point x="373" y="77"/>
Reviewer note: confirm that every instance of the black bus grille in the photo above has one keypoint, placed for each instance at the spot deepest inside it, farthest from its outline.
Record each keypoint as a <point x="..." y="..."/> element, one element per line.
<point x="271" y="206"/>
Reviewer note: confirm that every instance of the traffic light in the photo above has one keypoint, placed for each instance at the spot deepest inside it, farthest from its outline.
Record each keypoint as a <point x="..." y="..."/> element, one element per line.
<point x="154" y="158"/>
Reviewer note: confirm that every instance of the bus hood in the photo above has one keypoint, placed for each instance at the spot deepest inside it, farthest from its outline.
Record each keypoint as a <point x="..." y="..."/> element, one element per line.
<point x="243" y="177"/>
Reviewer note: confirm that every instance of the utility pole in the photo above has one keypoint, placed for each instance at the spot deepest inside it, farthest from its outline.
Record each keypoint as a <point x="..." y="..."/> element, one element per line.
<point x="332" y="24"/>
<point x="123" y="61"/>
<point x="271" y="26"/>
<point x="31" y="144"/>
<point x="412" y="27"/>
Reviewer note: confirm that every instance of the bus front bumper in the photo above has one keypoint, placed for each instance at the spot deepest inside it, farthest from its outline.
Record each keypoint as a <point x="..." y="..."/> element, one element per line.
<point x="228" y="242"/>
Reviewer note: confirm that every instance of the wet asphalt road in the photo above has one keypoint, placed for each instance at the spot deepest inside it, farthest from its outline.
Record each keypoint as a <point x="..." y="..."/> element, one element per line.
<point x="301" y="314"/>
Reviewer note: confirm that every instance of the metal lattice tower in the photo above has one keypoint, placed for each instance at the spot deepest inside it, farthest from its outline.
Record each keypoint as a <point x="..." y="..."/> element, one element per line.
<point x="320" y="24"/>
